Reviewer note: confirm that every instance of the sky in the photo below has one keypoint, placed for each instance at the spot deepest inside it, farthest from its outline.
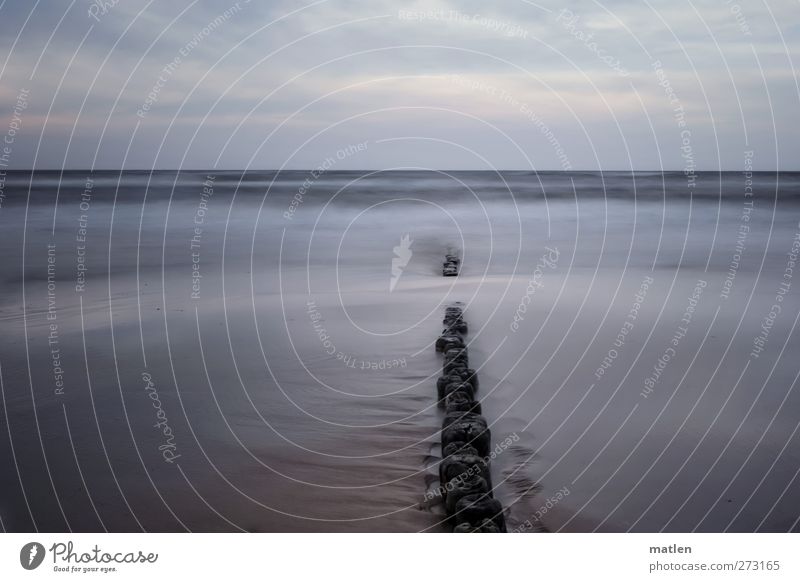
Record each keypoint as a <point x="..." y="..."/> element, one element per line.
<point x="378" y="84"/>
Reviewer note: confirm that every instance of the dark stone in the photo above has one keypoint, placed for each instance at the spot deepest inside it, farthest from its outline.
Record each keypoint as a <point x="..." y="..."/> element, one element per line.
<point x="445" y="381"/>
<point x="459" y="487"/>
<point x="454" y="326"/>
<point x="458" y="416"/>
<point x="461" y="465"/>
<point x="487" y="526"/>
<point x="461" y="402"/>
<point x="472" y="378"/>
<point x="474" y="509"/>
<point x="458" y="447"/>
<point x="456" y="354"/>
<point x="465" y="374"/>
<point x="442" y="382"/>
<point x="456" y="357"/>
<point x="447" y="342"/>
<point x="452" y="387"/>
<point x="451" y="365"/>
<point x="473" y="432"/>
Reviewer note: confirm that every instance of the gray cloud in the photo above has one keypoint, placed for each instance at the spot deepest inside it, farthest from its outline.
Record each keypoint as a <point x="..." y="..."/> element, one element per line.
<point x="264" y="79"/>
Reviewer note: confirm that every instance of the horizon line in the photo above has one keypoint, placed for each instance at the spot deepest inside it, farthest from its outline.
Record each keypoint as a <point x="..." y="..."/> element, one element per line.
<point x="5" y="170"/>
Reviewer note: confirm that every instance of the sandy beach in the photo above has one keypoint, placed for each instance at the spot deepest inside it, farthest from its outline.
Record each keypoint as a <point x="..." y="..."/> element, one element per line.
<point x="208" y="352"/>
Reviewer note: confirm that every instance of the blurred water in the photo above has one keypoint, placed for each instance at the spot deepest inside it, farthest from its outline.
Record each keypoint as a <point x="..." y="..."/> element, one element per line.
<point x="219" y="298"/>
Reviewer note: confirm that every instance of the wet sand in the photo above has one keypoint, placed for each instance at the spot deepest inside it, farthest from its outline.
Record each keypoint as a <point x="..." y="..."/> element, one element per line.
<point x="215" y="403"/>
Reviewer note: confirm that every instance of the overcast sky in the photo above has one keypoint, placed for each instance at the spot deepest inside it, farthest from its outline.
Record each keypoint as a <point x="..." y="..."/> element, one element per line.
<point x="464" y="84"/>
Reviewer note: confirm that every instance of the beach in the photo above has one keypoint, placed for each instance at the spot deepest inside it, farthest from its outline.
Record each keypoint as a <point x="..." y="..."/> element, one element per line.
<point x="225" y="351"/>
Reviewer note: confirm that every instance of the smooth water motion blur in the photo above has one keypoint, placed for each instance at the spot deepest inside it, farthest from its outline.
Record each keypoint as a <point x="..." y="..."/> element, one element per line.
<point x="222" y="351"/>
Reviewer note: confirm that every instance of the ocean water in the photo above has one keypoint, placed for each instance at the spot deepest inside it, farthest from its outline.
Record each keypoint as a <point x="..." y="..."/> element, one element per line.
<point x="224" y="351"/>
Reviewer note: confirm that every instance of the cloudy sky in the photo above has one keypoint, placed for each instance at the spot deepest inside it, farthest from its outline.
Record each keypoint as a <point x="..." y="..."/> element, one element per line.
<point x="513" y="84"/>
